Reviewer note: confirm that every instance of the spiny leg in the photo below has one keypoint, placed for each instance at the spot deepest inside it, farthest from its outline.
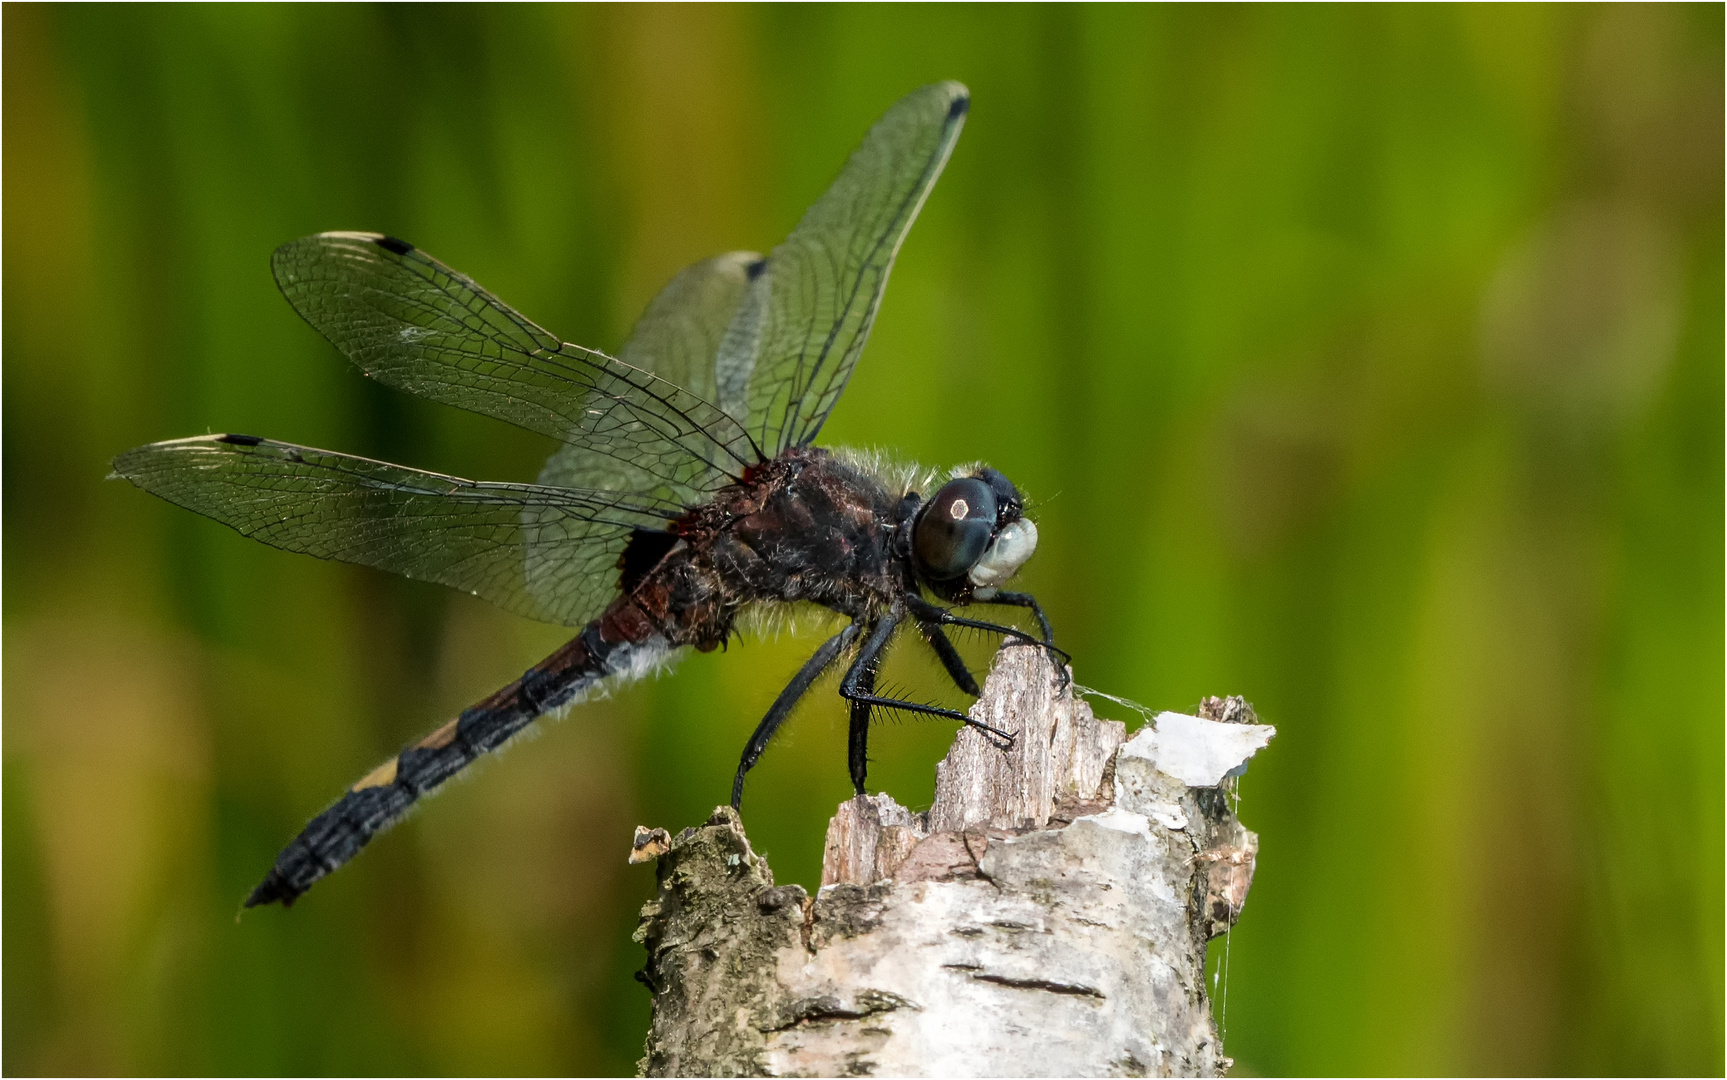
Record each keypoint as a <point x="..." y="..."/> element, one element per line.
<point x="1014" y="634"/>
<point x="782" y="706"/>
<point x="926" y="611"/>
<point x="950" y="657"/>
<point x="1025" y="600"/>
<point x="1002" y="739"/>
<point x="941" y="616"/>
<point x="858" y="687"/>
<point x="857" y="741"/>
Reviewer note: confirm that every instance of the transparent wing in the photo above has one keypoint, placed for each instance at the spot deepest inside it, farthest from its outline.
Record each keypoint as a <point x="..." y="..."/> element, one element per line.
<point x="413" y="323"/>
<point x="679" y="335"/>
<point x="796" y="337"/>
<point x="542" y="552"/>
<point x="677" y="338"/>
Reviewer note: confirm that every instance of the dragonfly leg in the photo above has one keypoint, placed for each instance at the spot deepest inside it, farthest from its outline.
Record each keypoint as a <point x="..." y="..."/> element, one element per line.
<point x="941" y="616"/>
<point x="858" y="687"/>
<point x="1026" y="600"/>
<point x="857" y="737"/>
<point x="949" y="656"/>
<point x="934" y="613"/>
<point x="783" y="705"/>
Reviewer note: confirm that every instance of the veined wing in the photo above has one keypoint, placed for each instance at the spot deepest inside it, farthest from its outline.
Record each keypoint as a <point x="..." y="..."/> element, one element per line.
<point x="772" y="342"/>
<point x="411" y="322"/>
<point x="677" y="338"/>
<point x="795" y="339"/>
<point x="679" y="335"/>
<point x="546" y="553"/>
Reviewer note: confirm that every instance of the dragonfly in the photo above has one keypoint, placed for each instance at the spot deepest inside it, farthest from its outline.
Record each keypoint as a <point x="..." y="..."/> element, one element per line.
<point x="687" y="491"/>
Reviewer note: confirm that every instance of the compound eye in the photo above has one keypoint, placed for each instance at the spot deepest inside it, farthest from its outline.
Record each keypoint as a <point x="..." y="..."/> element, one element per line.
<point x="954" y="529"/>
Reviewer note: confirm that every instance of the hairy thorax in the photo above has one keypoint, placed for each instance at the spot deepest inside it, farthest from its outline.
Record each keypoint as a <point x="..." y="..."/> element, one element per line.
<point x="804" y="527"/>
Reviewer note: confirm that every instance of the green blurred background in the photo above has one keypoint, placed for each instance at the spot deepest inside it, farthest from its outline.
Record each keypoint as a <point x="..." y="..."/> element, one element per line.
<point x="1364" y="361"/>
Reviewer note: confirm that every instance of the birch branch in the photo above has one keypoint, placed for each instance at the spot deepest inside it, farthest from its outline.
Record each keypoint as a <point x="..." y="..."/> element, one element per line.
<point x="1047" y="916"/>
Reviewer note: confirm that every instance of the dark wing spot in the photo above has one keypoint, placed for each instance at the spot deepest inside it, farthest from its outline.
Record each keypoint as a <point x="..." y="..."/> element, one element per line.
<point x="393" y="245"/>
<point x="961" y="105"/>
<point x="754" y="269"/>
<point x="240" y="440"/>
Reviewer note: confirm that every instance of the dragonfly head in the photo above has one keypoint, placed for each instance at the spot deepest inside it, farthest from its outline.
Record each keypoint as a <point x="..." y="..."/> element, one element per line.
<point x="972" y="533"/>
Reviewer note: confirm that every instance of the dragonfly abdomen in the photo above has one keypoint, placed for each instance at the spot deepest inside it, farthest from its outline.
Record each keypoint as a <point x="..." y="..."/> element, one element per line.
<point x="385" y="794"/>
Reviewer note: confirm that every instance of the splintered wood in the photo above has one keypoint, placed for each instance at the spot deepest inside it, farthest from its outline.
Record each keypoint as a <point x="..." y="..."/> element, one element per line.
<point x="1047" y="916"/>
<point x="1056" y="766"/>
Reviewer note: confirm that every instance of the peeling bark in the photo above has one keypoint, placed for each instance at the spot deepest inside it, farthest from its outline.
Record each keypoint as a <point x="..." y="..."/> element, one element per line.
<point x="1047" y="916"/>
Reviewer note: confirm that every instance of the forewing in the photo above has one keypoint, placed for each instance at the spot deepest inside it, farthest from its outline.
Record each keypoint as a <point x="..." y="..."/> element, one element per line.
<point x="546" y="553"/>
<point x="411" y="322"/>
<point x="677" y="338"/>
<point x="797" y="335"/>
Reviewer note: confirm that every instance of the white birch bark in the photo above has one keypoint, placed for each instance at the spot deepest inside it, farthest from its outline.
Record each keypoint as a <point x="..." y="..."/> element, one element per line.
<point x="1047" y="916"/>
